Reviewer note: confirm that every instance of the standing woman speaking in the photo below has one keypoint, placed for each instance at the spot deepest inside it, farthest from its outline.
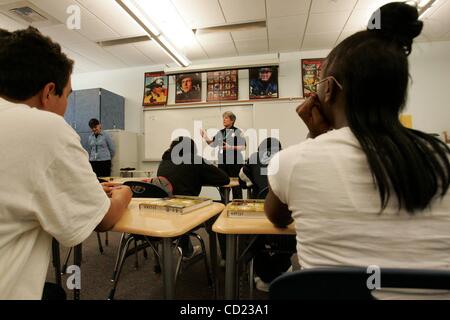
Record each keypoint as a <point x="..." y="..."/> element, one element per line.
<point x="101" y="149"/>
<point x="231" y="143"/>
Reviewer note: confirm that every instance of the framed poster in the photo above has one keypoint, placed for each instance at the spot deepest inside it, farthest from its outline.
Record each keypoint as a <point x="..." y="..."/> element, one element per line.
<point x="223" y="85"/>
<point x="155" y="89"/>
<point x="189" y="88"/>
<point x="310" y="75"/>
<point x="263" y="82"/>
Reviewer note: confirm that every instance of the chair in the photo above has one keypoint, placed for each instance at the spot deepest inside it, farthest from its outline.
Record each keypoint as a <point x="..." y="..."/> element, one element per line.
<point x="149" y="190"/>
<point x="350" y="283"/>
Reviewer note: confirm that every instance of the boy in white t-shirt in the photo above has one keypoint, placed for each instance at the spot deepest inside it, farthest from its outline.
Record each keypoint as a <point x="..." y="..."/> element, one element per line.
<point x="47" y="186"/>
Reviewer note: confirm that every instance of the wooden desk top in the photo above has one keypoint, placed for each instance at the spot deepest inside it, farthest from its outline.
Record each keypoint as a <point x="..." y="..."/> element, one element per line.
<point x="227" y="225"/>
<point x="163" y="225"/>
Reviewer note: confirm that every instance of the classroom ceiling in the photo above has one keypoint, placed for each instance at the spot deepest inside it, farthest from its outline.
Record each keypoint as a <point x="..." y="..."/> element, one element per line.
<point x="291" y="25"/>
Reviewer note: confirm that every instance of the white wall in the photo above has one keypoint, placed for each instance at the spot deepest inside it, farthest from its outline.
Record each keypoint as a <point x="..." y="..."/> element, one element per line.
<point x="428" y="101"/>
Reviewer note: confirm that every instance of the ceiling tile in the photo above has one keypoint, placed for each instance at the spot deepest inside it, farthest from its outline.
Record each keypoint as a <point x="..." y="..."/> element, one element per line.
<point x="95" y="30"/>
<point x="110" y="13"/>
<point x="372" y="5"/>
<point x="97" y="55"/>
<point x="82" y="62"/>
<point x="254" y="46"/>
<point x="320" y="40"/>
<point x="284" y="44"/>
<point x="285" y="27"/>
<point x="200" y="13"/>
<point x="249" y="34"/>
<point x="326" y="22"/>
<point x="154" y="52"/>
<point x="240" y="11"/>
<point x="277" y="8"/>
<point x="9" y="24"/>
<point x="324" y="6"/>
<point x="129" y="54"/>
<point x="213" y="38"/>
<point x="358" y="20"/>
<point x="61" y="34"/>
<point x="215" y="51"/>
<point x="437" y="24"/>
<point x="195" y="52"/>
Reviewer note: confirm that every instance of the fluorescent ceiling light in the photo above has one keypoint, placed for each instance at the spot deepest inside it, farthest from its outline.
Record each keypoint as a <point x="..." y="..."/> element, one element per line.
<point x="149" y="15"/>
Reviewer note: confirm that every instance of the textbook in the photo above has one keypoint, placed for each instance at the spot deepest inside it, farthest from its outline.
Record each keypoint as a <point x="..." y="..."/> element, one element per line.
<point x="246" y="209"/>
<point x="175" y="204"/>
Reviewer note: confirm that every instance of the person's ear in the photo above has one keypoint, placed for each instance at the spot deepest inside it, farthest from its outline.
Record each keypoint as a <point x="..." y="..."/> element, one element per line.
<point x="46" y="96"/>
<point x="330" y="91"/>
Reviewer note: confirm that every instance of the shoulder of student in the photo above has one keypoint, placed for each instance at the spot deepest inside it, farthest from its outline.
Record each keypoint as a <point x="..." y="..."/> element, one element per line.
<point x="323" y="148"/>
<point x="45" y="125"/>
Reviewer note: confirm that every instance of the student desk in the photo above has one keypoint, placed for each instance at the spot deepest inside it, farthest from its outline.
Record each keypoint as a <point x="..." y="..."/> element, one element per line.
<point x="167" y="227"/>
<point x="232" y="228"/>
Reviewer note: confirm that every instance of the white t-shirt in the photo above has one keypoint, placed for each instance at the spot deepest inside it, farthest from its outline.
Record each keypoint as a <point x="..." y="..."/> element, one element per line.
<point x="47" y="189"/>
<point x="328" y="186"/>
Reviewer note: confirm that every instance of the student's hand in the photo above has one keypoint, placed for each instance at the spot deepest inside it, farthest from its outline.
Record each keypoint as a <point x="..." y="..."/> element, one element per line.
<point x="203" y="133"/>
<point x="311" y="115"/>
<point x="123" y="192"/>
<point x="108" y="187"/>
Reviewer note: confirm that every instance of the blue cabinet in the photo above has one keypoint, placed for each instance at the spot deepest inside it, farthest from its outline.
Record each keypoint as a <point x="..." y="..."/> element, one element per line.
<point x="84" y="105"/>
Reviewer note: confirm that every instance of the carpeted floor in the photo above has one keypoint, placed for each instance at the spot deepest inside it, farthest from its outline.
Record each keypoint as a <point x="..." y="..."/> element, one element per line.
<point x="143" y="283"/>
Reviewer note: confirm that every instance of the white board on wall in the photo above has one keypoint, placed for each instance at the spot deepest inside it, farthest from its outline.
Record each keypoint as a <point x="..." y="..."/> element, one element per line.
<point x="163" y="125"/>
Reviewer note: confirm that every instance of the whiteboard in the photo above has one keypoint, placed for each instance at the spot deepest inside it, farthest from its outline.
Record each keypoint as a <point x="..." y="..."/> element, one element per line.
<point x="164" y="125"/>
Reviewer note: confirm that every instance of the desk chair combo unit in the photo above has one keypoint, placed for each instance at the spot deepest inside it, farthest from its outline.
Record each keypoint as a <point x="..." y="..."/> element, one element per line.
<point x="148" y="190"/>
<point x="350" y="283"/>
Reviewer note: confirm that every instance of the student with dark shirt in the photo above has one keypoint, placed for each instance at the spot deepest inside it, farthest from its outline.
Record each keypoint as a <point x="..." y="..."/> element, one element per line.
<point x="188" y="172"/>
<point x="254" y="173"/>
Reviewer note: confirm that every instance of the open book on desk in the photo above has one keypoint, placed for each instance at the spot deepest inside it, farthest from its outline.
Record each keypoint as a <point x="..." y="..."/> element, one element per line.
<point x="246" y="209"/>
<point x="175" y="204"/>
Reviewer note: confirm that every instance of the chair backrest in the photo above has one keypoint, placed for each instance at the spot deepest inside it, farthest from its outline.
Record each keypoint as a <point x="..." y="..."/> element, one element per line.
<point x="146" y="190"/>
<point x="352" y="283"/>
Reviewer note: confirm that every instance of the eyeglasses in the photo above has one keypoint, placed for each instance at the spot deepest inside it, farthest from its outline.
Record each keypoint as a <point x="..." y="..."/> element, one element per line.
<point x="332" y="78"/>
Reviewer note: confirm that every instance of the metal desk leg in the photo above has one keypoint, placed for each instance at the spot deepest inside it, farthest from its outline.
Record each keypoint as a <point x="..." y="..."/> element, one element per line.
<point x="168" y="270"/>
<point x="77" y="261"/>
<point x="226" y="194"/>
<point x="230" y="268"/>
<point x="213" y="255"/>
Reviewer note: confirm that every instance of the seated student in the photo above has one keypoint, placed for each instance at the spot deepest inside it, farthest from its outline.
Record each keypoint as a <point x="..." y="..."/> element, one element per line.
<point x="273" y="253"/>
<point x="254" y="173"/>
<point x="188" y="172"/>
<point x="48" y="188"/>
<point x="365" y="190"/>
